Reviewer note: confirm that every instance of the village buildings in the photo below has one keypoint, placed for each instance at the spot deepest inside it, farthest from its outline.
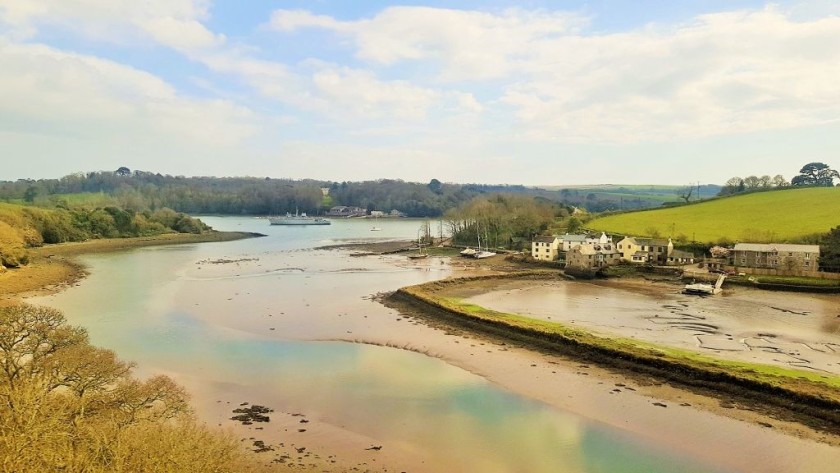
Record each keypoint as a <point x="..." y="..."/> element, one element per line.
<point x="592" y="257"/>
<point x="549" y="248"/>
<point x="776" y="256"/>
<point x="645" y="250"/>
<point x="592" y="253"/>
<point x="345" y="211"/>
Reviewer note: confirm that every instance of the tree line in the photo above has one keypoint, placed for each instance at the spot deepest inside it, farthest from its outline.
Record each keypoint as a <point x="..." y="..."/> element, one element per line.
<point x="814" y="174"/>
<point x="141" y="190"/>
<point x="502" y="220"/>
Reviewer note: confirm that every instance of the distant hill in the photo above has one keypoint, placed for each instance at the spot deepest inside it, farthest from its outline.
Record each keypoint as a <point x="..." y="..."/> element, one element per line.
<point x="628" y="197"/>
<point x="789" y="215"/>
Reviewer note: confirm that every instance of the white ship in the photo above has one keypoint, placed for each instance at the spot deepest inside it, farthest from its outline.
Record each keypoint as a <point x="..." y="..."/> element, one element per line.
<point x="298" y="219"/>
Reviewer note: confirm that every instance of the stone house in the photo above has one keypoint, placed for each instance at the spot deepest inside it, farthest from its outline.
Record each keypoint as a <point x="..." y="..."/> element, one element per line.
<point x="592" y="257"/>
<point x="569" y="241"/>
<point x="777" y="256"/>
<point x="680" y="258"/>
<point x="646" y="250"/>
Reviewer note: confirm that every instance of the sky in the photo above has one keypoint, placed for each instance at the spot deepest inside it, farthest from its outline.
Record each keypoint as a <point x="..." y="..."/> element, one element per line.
<point x="517" y="92"/>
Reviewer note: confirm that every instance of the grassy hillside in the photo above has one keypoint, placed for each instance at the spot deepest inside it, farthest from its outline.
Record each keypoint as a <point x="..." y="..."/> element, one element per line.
<point x="779" y="216"/>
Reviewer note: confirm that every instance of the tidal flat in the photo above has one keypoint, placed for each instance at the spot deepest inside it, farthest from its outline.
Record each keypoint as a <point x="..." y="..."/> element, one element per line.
<point x="274" y="322"/>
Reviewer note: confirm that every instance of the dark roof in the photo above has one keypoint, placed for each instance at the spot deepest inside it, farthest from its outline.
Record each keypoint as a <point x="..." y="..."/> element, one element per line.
<point x="652" y="241"/>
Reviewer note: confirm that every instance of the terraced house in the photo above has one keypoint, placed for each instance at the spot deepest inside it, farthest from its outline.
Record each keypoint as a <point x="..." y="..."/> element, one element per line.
<point x="777" y="256"/>
<point x="645" y="250"/>
<point x="592" y="257"/>
<point x="546" y="248"/>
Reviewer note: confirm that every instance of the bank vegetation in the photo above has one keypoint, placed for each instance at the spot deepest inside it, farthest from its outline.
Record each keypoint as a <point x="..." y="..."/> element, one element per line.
<point x="66" y="405"/>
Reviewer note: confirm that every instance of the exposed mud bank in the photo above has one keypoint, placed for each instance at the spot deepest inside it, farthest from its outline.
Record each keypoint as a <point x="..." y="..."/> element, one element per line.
<point x="784" y="395"/>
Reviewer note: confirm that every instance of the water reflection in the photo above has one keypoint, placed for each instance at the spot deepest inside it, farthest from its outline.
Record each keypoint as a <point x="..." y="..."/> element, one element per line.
<point x="211" y="325"/>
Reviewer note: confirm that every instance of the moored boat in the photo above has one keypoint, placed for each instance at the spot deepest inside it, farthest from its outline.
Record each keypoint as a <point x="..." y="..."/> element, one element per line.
<point x="298" y="219"/>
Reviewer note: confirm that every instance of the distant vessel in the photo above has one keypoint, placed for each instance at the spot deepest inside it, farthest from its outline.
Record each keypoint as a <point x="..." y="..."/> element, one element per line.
<point x="375" y="229"/>
<point x="702" y="289"/>
<point x="298" y="219"/>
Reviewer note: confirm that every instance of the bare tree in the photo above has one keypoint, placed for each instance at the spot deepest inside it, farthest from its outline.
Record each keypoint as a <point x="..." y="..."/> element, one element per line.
<point x="780" y="181"/>
<point x="752" y="182"/>
<point x="765" y="181"/>
<point x="686" y="192"/>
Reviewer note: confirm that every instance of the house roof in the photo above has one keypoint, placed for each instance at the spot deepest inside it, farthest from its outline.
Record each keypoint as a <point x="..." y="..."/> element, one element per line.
<point x="592" y="250"/>
<point x="682" y="254"/>
<point x="777" y="247"/>
<point x="574" y="238"/>
<point x="545" y="239"/>
<point x="652" y="241"/>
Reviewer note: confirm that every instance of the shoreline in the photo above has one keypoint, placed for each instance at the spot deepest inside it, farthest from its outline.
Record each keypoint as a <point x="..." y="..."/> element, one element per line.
<point x="54" y="268"/>
<point x="586" y="390"/>
<point x="815" y="410"/>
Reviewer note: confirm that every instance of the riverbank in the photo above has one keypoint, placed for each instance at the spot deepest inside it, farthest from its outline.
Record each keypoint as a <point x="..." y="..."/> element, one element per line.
<point x="53" y="267"/>
<point x="793" y="395"/>
<point x="277" y="318"/>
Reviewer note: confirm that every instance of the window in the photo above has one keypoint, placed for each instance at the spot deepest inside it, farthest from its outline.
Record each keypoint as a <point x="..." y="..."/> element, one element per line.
<point x="807" y="263"/>
<point x="807" y="256"/>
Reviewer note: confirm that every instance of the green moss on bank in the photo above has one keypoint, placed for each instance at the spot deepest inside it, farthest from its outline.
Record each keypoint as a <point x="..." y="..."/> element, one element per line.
<point x="811" y="394"/>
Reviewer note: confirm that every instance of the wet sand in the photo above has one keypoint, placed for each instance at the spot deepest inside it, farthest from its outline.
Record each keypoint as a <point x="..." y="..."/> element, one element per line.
<point x="54" y="268"/>
<point x="792" y="331"/>
<point x="670" y="417"/>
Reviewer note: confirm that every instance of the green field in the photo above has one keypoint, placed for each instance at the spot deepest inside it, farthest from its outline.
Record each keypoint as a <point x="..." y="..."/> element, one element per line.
<point x="769" y="217"/>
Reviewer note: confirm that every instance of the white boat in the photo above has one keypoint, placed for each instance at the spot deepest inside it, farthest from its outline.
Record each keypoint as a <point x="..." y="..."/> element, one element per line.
<point x="375" y="229"/>
<point x="298" y="219"/>
<point x="703" y="289"/>
<point x="420" y="253"/>
<point x="479" y="253"/>
<point x="468" y="252"/>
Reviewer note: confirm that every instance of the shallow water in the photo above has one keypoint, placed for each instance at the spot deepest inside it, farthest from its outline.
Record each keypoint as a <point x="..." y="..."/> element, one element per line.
<point x="266" y="326"/>
<point x="799" y="331"/>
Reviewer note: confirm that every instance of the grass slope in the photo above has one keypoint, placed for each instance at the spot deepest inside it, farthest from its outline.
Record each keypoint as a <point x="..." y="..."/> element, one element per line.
<point x="778" y="216"/>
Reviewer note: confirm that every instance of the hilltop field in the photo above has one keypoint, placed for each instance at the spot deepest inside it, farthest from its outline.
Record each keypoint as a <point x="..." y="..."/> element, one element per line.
<point x="789" y="215"/>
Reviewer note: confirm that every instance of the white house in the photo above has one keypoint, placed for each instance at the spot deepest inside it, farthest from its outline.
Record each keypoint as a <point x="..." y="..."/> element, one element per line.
<point x="571" y="241"/>
<point x="545" y="248"/>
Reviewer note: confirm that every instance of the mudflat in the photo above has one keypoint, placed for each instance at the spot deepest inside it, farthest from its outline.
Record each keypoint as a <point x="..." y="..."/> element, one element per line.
<point x="53" y="268"/>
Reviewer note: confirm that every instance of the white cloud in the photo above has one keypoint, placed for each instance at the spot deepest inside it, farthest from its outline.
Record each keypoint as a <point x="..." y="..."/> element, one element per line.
<point x="55" y="92"/>
<point x="469" y="44"/>
<point x="291" y="20"/>
<point x="721" y="73"/>
<point x="173" y="23"/>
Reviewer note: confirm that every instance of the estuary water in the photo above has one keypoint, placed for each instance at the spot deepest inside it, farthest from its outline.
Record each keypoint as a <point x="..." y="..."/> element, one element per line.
<point x="274" y="321"/>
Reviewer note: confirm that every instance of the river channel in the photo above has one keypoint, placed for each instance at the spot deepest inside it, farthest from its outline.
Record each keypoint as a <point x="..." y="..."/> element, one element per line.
<point x="276" y="322"/>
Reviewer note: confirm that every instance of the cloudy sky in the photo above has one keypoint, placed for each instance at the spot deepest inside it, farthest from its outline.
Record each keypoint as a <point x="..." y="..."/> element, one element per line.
<point x="527" y="92"/>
